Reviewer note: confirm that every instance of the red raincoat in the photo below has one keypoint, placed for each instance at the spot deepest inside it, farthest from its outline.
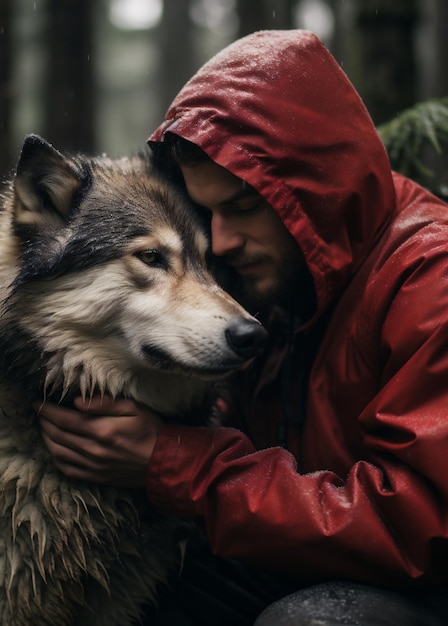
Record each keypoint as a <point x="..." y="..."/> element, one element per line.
<point x="363" y="494"/>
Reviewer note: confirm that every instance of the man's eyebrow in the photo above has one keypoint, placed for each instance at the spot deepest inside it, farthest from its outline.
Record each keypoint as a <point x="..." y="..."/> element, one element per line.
<point x="245" y="192"/>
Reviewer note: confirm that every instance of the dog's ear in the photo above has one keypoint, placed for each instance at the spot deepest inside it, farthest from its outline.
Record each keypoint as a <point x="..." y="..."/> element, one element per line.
<point x="44" y="187"/>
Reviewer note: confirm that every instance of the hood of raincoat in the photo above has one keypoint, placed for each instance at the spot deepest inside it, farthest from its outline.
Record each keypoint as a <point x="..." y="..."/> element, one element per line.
<point x="276" y="110"/>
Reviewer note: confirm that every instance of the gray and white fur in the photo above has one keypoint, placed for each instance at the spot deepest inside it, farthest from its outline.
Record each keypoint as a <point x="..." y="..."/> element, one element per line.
<point x="104" y="289"/>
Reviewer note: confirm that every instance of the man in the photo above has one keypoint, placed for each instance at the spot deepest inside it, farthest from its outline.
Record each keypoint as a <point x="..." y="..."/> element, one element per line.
<point x="334" y="482"/>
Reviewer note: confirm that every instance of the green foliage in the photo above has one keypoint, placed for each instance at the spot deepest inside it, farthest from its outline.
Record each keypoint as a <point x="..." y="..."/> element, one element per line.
<point x="417" y="144"/>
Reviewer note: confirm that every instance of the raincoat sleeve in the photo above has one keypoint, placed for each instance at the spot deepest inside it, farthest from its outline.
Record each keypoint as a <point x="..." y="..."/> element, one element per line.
<point x="256" y="507"/>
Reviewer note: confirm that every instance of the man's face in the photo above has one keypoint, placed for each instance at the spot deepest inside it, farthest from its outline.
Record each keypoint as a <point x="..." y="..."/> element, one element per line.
<point x="247" y="235"/>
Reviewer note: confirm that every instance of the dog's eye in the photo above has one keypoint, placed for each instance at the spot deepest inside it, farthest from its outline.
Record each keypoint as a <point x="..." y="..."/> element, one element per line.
<point x="151" y="257"/>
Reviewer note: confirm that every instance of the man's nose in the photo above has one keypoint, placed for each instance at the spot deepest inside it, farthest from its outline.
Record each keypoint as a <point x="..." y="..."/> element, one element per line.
<point x="225" y="238"/>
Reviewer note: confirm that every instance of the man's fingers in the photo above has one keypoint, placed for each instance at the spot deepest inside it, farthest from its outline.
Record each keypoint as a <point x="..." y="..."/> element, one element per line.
<point x="75" y="463"/>
<point x="61" y="417"/>
<point x="59" y="440"/>
<point x="100" y="441"/>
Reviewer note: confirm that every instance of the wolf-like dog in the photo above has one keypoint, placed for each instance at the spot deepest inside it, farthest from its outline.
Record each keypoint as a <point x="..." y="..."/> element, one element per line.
<point x="104" y="289"/>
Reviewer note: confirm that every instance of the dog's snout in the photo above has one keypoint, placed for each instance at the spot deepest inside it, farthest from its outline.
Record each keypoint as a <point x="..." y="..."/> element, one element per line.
<point x="246" y="338"/>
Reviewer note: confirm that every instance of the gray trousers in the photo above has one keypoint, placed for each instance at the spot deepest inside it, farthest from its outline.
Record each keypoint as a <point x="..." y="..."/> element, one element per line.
<point x="211" y="591"/>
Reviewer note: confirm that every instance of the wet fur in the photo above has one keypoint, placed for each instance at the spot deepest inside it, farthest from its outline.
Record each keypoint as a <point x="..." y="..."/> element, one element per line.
<point x="104" y="289"/>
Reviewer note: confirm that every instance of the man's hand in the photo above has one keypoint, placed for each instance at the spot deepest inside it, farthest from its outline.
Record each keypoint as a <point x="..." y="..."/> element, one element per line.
<point x="101" y="440"/>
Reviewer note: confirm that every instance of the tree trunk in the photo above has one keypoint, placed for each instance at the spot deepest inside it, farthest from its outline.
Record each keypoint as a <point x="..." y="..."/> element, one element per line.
<point x="441" y="45"/>
<point x="6" y="88"/>
<point x="69" y="86"/>
<point x="388" y="80"/>
<point x="252" y="16"/>
<point x="177" y="62"/>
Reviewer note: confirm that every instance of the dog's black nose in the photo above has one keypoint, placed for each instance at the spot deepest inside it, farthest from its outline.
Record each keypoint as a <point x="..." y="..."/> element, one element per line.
<point x="247" y="338"/>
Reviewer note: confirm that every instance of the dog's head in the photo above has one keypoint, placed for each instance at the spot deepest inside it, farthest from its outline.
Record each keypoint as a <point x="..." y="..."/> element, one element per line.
<point x="111" y="275"/>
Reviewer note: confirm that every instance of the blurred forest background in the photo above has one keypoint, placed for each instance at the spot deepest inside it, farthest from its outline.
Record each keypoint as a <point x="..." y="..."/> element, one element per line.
<point x="97" y="76"/>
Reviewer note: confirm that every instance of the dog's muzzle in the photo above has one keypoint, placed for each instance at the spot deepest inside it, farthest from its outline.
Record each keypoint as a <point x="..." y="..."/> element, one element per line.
<point x="246" y="338"/>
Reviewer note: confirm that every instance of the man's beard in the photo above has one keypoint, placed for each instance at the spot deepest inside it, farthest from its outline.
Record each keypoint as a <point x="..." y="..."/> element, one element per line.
<point x="246" y="290"/>
<point x="255" y="300"/>
<point x="291" y="287"/>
